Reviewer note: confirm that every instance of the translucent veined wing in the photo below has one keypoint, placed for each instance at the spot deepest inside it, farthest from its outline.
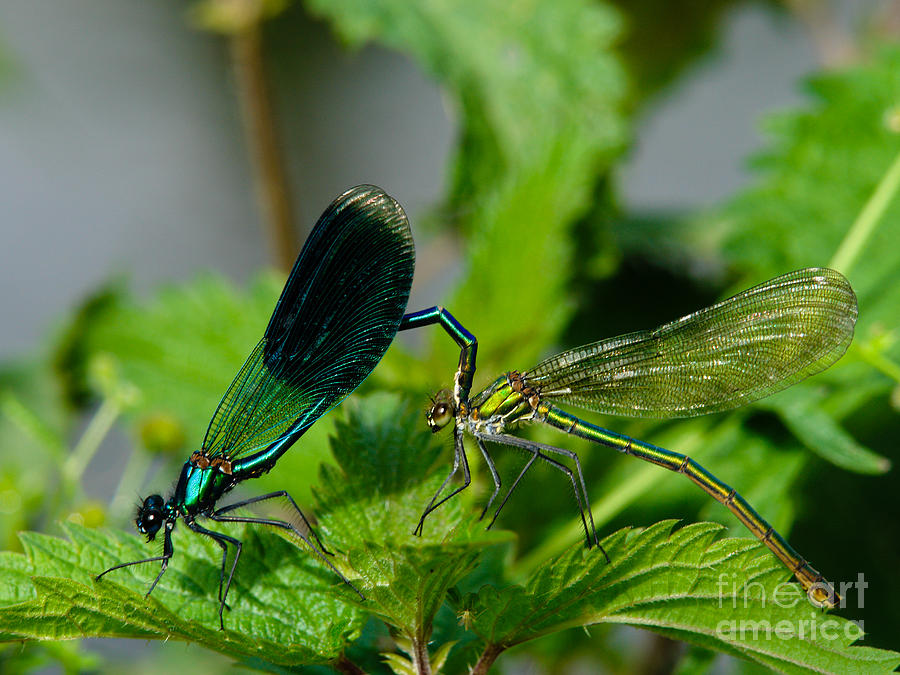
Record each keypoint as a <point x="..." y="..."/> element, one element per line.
<point x="337" y="315"/>
<point x="737" y="351"/>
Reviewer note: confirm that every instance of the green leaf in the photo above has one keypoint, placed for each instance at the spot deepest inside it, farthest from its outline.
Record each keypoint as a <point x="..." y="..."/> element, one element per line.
<point x="439" y="658"/>
<point x="801" y="411"/>
<point x="286" y="607"/>
<point x="521" y="75"/>
<point x="407" y="666"/>
<point x="722" y="594"/>
<point x="375" y="496"/>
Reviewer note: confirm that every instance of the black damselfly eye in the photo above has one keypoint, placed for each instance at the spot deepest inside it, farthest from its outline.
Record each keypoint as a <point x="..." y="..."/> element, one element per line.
<point x="150" y="516"/>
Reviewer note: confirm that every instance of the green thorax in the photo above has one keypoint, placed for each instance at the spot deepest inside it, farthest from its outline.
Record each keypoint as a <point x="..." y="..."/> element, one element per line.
<point x="504" y="403"/>
<point x="201" y="484"/>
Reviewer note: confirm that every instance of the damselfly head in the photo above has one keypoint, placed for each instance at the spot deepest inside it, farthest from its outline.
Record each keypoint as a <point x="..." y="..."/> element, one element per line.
<point x="150" y="516"/>
<point x="441" y="412"/>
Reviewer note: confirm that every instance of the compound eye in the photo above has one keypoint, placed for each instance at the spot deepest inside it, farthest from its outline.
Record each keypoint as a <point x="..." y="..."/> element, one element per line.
<point x="440" y="415"/>
<point x="150" y="516"/>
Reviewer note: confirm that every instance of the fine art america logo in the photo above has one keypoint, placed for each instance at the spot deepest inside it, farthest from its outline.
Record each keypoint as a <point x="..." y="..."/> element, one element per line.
<point x="737" y="594"/>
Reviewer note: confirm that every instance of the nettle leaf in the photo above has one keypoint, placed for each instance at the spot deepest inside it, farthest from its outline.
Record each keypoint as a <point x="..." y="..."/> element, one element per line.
<point x="729" y="595"/>
<point x="539" y="96"/>
<point x="407" y="665"/>
<point x="286" y="607"/>
<point x="376" y="495"/>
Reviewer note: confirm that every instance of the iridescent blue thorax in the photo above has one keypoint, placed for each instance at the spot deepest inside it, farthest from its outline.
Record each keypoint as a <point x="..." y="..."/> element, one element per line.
<point x="201" y="483"/>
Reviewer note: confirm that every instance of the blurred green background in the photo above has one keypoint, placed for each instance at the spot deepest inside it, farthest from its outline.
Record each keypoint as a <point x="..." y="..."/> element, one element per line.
<point x="572" y="170"/>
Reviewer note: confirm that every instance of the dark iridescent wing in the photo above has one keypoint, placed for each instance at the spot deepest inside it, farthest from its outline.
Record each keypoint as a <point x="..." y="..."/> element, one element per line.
<point x="337" y="315"/>
<point x="737" y="351"/>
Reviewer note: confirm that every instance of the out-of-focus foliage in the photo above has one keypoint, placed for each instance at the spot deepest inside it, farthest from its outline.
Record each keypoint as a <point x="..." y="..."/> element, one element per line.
<point x="539" y="98"/>
<point x="182" y="348"/>
<point x="230" y="17"/>
<point x="20" y="658"/>
<point x="663" y="38"/>
<point x="32" y="423"/>
<point x="822" y="165"/>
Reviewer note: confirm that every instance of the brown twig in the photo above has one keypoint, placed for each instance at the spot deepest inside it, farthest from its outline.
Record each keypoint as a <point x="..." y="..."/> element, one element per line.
<point x="833" y="43"/>
<point x="662" y="656"/>
<point x="420" y="656"/>
<point x="488" y="656"/>
<point x="884" y="22"/>
<point x="272" y="187"/>
<point x="345" y="665"/>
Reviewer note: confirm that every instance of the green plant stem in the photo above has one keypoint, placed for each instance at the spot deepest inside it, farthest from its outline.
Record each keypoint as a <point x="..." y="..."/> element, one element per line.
<point x="261" y="133"/>
<point x="858" y="234"/>
<point x="91" y="439"/>
<point x="486" y="660"/>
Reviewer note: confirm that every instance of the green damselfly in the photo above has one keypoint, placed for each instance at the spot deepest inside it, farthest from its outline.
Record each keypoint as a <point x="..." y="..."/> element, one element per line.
<point x="728" y="355"/>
